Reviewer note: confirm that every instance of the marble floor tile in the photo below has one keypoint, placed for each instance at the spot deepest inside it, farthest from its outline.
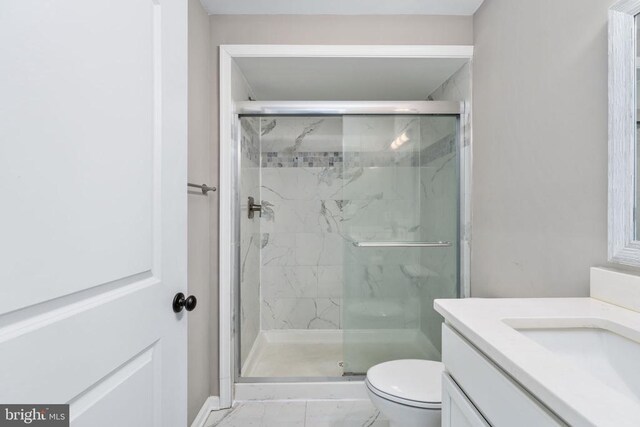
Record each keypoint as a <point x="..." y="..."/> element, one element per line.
<point x="263" y="414"/>
<point x="343" y="413"/>
<point x="313" y="413"/>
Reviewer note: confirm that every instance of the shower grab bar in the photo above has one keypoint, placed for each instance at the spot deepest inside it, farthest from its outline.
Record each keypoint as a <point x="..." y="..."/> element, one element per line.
<point x="203" y="187"/>
<point x="402" y="244"/>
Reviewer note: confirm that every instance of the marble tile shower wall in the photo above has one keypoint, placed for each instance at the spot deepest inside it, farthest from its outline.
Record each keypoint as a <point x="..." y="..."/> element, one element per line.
<point x="250" y="236"/>
<point x="324" y="146"/>
<point x="312" y="213"/>
<point x="301" y="274"/>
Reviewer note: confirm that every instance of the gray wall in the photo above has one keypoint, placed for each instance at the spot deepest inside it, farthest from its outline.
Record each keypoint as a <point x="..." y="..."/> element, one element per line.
<point x="334" y="29"/>
<point x="540" y="147"/>
<point x="200" y="208"/>
<point x="307" y="29"/>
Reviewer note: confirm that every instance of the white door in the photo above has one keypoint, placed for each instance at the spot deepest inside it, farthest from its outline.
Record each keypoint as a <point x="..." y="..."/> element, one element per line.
<point x="93" y="208"/>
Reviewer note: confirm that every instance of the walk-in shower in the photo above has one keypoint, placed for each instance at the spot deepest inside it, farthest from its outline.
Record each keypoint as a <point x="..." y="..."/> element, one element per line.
<point x="347" y="228"/>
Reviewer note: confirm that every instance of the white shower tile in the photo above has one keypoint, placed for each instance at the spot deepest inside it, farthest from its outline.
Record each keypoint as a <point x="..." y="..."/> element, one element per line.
<point x="301" y="134"/>
<point x="308" y="247"/>
<point x="332" y="249"/>
<point x="319" y="248"/>
<point x="278" y="249"/>
<point x="287" y="313"/>
<point x="369" y="182"/>
<point x="406" y="183"/>
<point x="317" y="183"/>
<point x="330" y="280"/>
<point x="327" y="314"/>
<point x="301" y="313"/>
<point x="283" y="217"/>
<point x="310" y="214"/>
<point x="289" y="282"/>
<point x="279" y="184"/>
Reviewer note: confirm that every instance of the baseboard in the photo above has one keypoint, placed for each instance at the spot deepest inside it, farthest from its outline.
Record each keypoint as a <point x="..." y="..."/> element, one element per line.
<point x="211" y="404"/>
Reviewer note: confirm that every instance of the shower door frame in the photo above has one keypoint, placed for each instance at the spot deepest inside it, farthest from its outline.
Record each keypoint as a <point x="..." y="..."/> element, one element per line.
<point x="229" y="123"/>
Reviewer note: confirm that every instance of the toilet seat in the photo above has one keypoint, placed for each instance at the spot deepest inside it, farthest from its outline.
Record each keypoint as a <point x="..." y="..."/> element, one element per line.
<point x="415" y="383"/>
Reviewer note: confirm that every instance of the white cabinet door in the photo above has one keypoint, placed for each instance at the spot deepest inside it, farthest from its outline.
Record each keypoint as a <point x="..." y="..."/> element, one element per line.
<point x="507" y="404"/>
<point x="93" y="208"/>
<point x="457" y="410"/>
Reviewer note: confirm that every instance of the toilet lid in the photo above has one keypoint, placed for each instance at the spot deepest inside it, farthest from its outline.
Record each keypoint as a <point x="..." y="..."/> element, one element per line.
<point x="418" y="381"/>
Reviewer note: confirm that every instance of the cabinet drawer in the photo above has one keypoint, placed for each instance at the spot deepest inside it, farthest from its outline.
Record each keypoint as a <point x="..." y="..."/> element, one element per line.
<point x="457" y="410"/>
<point x="502" y="401"/>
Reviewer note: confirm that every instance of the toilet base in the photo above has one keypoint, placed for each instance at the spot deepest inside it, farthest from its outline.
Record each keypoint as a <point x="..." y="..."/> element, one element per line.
<point x="400" y="415"/>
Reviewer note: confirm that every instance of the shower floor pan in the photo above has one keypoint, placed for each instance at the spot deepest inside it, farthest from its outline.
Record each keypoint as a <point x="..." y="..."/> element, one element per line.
<point x="320" y="353"/>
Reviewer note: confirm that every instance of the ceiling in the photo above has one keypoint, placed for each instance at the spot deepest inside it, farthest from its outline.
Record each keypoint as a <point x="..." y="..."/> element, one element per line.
<point x="341" y="7"/>
<point x="346" y="79"/>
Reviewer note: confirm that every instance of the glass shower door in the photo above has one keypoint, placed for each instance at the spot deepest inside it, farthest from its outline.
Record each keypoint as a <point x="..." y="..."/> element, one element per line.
<point x="400" y="224"/>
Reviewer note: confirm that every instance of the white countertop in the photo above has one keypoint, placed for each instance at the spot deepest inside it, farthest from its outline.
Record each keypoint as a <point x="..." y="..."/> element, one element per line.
<point x="579" y="399"/>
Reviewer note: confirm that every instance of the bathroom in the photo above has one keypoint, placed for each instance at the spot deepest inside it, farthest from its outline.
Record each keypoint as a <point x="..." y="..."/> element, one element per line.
<point x="410" y="213"/>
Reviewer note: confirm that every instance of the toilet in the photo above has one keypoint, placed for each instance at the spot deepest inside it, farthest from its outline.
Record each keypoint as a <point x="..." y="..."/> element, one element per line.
<point x="408" y="392"/>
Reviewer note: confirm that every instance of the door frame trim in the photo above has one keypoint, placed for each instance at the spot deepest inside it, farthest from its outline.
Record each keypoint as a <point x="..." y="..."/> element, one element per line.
<point x="228" y="129"/>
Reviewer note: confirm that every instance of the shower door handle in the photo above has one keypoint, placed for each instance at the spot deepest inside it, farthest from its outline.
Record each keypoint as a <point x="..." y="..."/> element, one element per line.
<point x="402" y="244"/>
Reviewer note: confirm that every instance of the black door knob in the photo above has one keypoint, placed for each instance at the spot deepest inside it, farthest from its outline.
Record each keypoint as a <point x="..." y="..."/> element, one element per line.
<point x="180" y="302"/>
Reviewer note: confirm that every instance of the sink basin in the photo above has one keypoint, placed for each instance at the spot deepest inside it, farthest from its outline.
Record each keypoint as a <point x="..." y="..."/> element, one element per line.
<point x="610" y="357"/>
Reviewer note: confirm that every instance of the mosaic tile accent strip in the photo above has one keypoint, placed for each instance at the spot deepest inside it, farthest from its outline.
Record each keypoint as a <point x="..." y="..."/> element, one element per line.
<point x="286" y="159"/>
<point x="443" y="147"/>
<point x="301" y="159"/>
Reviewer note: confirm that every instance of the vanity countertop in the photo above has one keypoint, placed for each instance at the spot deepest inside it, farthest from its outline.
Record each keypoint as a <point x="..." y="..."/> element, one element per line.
<point x="579" y="399"/>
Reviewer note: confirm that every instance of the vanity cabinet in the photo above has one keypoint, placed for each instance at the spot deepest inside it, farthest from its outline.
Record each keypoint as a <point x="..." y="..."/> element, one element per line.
<point x="477" y="393"/>
<point x="457" y="409"/>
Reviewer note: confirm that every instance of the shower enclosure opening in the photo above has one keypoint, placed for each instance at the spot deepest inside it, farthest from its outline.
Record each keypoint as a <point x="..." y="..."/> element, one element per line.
<point x="348" y="230"/>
